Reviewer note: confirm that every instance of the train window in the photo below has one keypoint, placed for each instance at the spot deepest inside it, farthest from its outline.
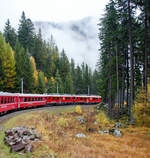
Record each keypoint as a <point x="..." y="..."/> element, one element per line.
<point x="53" y="98"/>
<point x="2" y="100"/>
<point x="57" y="98"/>
<point x="5" y="101"/>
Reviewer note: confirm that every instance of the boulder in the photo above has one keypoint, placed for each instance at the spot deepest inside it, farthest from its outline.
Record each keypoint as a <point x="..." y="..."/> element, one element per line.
<point x="100" y="132"/>
<point x="1" y="128"/>
<point x="18" y="147"/>
<point x="91" y="130"/>
<point x="28" y="148"/>
<point x="20" y="138"/>
<point x="119" y="125"/>
<point x="117" y="133"/>
<point x="81" y="135"/>
<point x="82" y="120"/>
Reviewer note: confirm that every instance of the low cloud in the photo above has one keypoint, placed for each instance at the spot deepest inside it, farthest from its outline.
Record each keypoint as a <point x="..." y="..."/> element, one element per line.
<point x="79" y="38"/>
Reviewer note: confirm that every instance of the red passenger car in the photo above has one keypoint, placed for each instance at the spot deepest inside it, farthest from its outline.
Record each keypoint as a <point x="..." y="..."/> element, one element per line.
<point x="8" y="101"/>
<point x="12" y="101"/>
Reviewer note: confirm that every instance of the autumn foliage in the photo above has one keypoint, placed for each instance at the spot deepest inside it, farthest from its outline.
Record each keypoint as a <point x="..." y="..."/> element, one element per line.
<point x="141" y="108"/>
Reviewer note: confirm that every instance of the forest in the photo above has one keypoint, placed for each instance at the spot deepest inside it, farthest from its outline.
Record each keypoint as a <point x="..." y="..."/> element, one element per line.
<point x="123" y="66"/>
<point x="24" y="55"/>
<point x="124" y="63"/>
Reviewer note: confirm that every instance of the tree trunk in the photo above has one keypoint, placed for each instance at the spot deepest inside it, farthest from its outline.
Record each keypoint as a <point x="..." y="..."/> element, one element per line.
<point x="146" y="51"/>
<point x="117" y="73"/>
<point x="131" y="62"/>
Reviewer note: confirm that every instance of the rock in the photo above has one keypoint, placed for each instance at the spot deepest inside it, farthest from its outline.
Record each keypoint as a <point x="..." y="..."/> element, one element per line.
<point x="81" y="135"/>
<point x="37" y="136"/>
<point x="103" y="132"/>
<point x="28" y="148"/>
<point x="82" y="120"/>
<point x="118" y="125"/>
<point x="91" y="130"/>
<point x="117" y="133"/>
<point x="106" y="131"/>
<point x="95" y="123"/>
<point x="111" y="131"/>
<point x="20" y="138"/>
<point x="1" y="128"/>
<point x="18" y="147"/>
<point x="27" y="132"/>
<point x="9" y="133"/>
<point x="100" y="132"/>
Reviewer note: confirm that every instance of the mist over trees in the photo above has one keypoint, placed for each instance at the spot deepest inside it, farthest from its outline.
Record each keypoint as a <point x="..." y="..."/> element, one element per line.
<point x="43" y="68"/>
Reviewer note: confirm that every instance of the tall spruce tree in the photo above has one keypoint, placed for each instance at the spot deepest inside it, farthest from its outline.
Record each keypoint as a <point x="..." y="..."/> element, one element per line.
<point x="24" y="68"/>
<point x="26" y="32"/>
<point x="10" y="34"/>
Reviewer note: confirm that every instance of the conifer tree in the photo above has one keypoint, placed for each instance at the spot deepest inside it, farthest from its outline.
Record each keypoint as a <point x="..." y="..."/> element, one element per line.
<point x="24" y="68"/>
<point x="7" y="66"/>
<point x="2" y="50"/>
<point x="10" y="34"/>
<point x="41" y="84"/>
<point x="68" y="84"/>
<point x="9" y="69"/>
<point x="26" y="32"/>
<point x="58" y="83"/>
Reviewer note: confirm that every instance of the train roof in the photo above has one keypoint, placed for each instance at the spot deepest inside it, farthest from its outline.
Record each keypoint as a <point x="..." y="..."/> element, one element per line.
<point x="8" y="94"/>
<point x="58" y="95"/>
<point x="46" y="95"/>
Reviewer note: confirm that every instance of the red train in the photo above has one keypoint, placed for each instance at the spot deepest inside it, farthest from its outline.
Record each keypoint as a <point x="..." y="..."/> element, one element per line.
<point x="15" y="101"/>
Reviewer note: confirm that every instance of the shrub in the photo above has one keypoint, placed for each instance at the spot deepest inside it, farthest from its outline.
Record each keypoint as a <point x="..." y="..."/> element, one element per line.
<point x="141" y="108"/>
<point x="62" y="122"/>
<point x="78" y="109"/>
<point x="102" y="118"/>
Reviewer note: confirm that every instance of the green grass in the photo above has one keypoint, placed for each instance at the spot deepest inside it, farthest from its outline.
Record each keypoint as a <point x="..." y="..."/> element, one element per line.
<point x="22" y="119"/>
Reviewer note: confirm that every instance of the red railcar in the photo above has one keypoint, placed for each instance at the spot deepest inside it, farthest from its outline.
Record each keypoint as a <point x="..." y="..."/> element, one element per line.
<point x="31" y="100"/>
<point x="8" y="101"/>
<point x="12" y="101"/>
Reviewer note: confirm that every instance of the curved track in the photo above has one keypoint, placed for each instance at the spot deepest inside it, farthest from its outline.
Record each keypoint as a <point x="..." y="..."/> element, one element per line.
<point x="11" y="114"/>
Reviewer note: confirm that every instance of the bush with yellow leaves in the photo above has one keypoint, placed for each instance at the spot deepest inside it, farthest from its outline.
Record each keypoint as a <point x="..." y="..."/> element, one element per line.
<point x="62" y="122"/>
<point x="141" y="108"/>
<point x="78" y="109"/>
<point x="102" y="118"/>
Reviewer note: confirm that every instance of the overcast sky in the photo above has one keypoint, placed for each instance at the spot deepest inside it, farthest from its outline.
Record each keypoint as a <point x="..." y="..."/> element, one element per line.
<point x="49" y="10"/>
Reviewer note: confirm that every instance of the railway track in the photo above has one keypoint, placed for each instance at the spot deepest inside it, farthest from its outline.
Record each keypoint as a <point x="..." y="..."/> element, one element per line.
<point x="48" y="107"/>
